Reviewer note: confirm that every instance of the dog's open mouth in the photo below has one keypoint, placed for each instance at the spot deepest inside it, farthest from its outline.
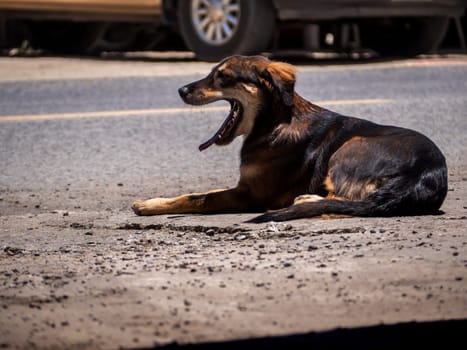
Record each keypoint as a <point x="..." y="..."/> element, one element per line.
<point x="226" y="130"/>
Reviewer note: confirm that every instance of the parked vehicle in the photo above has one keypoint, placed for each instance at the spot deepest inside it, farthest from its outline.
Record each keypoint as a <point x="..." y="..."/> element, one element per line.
<point x="217" y="28"/>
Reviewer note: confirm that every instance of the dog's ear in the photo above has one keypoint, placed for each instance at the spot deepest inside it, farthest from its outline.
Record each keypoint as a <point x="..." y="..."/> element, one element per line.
<point x="281" y="77"/>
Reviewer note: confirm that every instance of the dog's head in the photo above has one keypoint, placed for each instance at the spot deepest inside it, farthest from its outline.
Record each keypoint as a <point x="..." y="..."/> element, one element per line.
<point x="248" y="83"/>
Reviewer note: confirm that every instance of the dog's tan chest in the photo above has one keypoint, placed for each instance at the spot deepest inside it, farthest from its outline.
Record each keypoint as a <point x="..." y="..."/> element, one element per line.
<point x="251" y="171"/>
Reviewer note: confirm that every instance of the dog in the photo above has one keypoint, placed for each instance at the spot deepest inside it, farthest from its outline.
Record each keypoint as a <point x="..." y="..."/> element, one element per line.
<point x="299" y="160"/>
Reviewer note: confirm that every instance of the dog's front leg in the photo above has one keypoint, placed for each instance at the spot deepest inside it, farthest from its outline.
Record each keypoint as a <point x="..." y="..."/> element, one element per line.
<point x="216" y="201"/>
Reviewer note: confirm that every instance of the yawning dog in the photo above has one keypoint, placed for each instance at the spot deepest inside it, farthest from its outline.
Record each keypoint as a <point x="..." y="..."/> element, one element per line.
<point x="299" y="160"/>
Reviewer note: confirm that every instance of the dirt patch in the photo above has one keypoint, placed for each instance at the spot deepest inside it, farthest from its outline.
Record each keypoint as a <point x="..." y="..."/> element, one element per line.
<point x="92" y="276"/>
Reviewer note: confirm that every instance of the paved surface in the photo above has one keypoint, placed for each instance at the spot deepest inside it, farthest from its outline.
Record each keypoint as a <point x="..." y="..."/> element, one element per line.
<point x="81" y="139"/>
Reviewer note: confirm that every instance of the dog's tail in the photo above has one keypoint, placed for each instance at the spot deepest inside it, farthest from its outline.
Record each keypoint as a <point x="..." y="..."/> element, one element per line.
<point x="423" y="197"/>
<point x="322" y="207"/>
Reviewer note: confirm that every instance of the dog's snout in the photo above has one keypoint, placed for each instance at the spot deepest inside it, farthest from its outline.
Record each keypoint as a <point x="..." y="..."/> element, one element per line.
<point x="184" y="91"/>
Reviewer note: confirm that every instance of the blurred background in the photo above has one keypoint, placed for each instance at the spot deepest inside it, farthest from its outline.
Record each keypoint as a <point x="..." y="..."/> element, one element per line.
<point x="213" y="29"/>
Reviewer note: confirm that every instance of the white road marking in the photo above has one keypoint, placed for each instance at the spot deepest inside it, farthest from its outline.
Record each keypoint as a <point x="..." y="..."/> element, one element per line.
<point x="161" y="111"/>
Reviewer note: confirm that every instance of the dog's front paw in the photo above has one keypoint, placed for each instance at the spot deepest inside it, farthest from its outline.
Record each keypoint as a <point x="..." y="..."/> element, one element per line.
<point x="139" y="208"/>
<point x="154" y="206"/>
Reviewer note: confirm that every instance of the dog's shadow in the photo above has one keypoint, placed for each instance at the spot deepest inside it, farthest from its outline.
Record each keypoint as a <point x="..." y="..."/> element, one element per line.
<point x="436" y="334"/>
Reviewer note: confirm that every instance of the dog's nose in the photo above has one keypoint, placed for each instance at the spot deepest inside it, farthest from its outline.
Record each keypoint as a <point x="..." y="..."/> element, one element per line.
<point x="183" y="91"/>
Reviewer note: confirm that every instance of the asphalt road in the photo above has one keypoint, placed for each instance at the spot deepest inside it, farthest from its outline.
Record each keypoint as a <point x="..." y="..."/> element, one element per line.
<point x="157" y="142"/>
<point x="81" y="139"/>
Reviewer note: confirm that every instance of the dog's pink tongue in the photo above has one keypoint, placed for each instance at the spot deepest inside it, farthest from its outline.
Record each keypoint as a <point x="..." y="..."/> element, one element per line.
<point x="208" y="143"/>
<point x="219" y="134"/>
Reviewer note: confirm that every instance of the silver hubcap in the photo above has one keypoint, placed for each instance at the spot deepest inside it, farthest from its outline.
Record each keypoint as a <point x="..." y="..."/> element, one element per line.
<point x="216" y="21"/>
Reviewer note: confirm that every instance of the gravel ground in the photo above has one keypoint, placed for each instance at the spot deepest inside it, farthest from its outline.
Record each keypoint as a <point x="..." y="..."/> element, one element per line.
<point x="76" y="277"/>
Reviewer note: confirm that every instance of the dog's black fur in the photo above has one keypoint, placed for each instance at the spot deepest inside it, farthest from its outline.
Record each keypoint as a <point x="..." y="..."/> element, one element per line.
<point x="293" y="148"/>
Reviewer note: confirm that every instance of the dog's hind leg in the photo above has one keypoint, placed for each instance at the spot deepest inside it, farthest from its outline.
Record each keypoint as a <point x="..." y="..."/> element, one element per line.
<point x="399" y="196"/>
<point x="307" y="198"/>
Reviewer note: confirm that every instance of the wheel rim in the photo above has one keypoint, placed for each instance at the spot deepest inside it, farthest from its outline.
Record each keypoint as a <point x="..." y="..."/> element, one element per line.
<point x="215" y="21"/>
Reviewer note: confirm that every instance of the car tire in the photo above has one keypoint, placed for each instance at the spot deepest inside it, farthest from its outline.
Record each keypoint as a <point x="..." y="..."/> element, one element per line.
<point x="404" y="37"/>
<point x="216" y="29"/>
